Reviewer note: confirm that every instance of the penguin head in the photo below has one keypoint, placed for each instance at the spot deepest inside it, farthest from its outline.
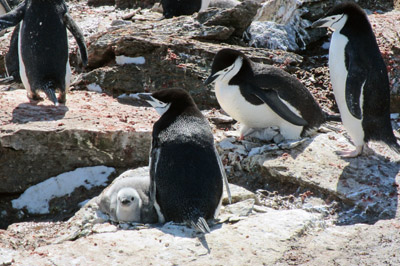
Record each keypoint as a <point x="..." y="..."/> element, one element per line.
<point x="129" y="205"/>
<point x="126" y="197"/>
<point x="227" y="64"/>
<point x="174" y="100"/>
<point x="340" y="15"/>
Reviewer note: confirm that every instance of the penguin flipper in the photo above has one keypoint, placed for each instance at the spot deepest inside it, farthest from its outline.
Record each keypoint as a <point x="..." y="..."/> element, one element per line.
<point x="13" y="17"/>
<point x="355" y="81"/>
<point x="78" y="35"/>
<point x="271" y="98"/>
<point x="354" y="86"/>
<point x="225" y="179"/>
<point x="5" y="5"/>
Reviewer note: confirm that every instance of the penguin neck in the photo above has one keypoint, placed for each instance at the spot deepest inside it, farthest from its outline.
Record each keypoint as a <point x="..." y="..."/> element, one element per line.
<point x="172" y="115"/>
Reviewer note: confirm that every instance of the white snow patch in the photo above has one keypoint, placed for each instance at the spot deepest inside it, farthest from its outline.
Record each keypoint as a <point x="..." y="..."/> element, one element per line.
<point x="36" y="198"/>
<point x="122" y="60"/>
<point x="94" y="87"/>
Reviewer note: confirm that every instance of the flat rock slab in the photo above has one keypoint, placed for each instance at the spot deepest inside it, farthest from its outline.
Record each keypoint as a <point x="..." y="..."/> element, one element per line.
<point x="369" y="182"/>
<point x="260" y="239"/>
<point x="359" y="244"/>
<point x="38" y="141"/>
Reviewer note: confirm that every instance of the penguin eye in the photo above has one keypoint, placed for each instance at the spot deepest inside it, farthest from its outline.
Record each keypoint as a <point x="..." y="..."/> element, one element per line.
<point x="132" y="199"/>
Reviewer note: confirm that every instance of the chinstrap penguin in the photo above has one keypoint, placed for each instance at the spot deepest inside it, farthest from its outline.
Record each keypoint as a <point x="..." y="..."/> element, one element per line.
<point x="359" y="77"/>
<point x="260" y="96"/>
<point x="186" y="171"/>
<point x="43" y="46"/>
<point x="174" y="8"/>
<point x="127" y="199"/>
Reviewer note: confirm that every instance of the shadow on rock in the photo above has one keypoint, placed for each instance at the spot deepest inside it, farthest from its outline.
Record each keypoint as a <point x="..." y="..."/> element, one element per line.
<point x="181" y="230"/>
<point x="369" y="184"/>
<point x="27" y="112"/>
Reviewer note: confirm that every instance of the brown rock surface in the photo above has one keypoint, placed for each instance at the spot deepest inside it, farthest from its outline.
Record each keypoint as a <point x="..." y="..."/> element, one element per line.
<point x="41" y="141"/>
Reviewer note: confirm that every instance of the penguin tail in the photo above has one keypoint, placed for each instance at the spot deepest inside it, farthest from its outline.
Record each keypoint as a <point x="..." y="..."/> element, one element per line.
<point x="394" y="146"/>
<point x="49" y="90"/>
<point x="200" y="225"/>
<point x="334" y="117"/>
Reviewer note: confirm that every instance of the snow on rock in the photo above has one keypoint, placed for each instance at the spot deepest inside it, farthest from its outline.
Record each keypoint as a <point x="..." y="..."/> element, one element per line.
<point x="278" y="25"/>
<point x="36" y="198"/>
<point x="122" y="60"/>
<point x="94" y="87"/>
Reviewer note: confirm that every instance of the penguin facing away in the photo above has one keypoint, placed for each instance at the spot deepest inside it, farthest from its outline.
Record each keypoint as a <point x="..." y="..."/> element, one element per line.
<point x="186" y="171"/>
<point x="43" y="46"/>
<point x="359" y="78"/>
<point x="127" y="199"/>
<point x="174" y="8"/>
<point x="260" y="96"/>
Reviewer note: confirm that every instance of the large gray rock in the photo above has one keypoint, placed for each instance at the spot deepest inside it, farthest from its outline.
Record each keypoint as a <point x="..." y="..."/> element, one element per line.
<point x="41" y="141"/>
<point x="171" y="54"/>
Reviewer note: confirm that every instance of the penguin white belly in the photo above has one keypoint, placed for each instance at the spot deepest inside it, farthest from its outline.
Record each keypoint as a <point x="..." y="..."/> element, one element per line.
<point x="204" y="5"/>
<point x="338" y="75"/>
<point x="22" y="71"/>
<point x="67" y="76"/>
<point x="254" y="116"/>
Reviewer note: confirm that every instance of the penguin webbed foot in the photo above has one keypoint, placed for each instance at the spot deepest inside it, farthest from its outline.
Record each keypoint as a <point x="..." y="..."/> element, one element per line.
<point x="34" y="98"/>
<point x="351" y="153"/>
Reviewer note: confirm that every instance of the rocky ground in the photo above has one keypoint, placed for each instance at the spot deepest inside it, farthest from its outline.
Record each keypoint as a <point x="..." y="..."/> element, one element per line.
<point x="294" y="203"/>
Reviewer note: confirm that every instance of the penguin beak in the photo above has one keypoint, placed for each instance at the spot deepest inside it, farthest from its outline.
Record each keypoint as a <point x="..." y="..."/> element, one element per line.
<point x="320" y="23"/>
<point x="125" y="202"/>
<point x="211" y="78"/>
<point x="145" y="96"/>
<point x="161" y="107"/>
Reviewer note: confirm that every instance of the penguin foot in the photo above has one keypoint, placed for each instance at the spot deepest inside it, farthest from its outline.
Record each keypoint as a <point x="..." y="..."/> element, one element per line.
<point x="351" y="153"/>
<point x="35" y="98"/>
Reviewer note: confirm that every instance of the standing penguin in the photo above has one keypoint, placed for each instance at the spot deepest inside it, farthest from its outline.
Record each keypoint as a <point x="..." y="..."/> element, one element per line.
<point x="43" y="46"/>
<point x="359" y="77"/>
<point x="174" y="8"/>
<point x="186" y="171"/>
<point x="261" y="96"/>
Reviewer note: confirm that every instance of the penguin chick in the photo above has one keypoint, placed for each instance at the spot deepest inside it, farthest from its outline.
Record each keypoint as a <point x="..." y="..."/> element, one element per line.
<point x="127" y="199"/>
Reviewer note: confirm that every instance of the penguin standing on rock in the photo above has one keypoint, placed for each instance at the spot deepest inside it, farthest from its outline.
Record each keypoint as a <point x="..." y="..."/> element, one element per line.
<point x="43" y="46"/>
<point x="174" y="8"/>
<point x="260" y="96"/>
<point x="359" y="77"/>
<point x="186" y="171"/>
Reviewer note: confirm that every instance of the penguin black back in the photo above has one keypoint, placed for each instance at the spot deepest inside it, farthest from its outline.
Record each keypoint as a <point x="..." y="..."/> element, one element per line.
<point x="184" y="162"/>
<point x="43" y="46"/>
<point x="173" y="8"/>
